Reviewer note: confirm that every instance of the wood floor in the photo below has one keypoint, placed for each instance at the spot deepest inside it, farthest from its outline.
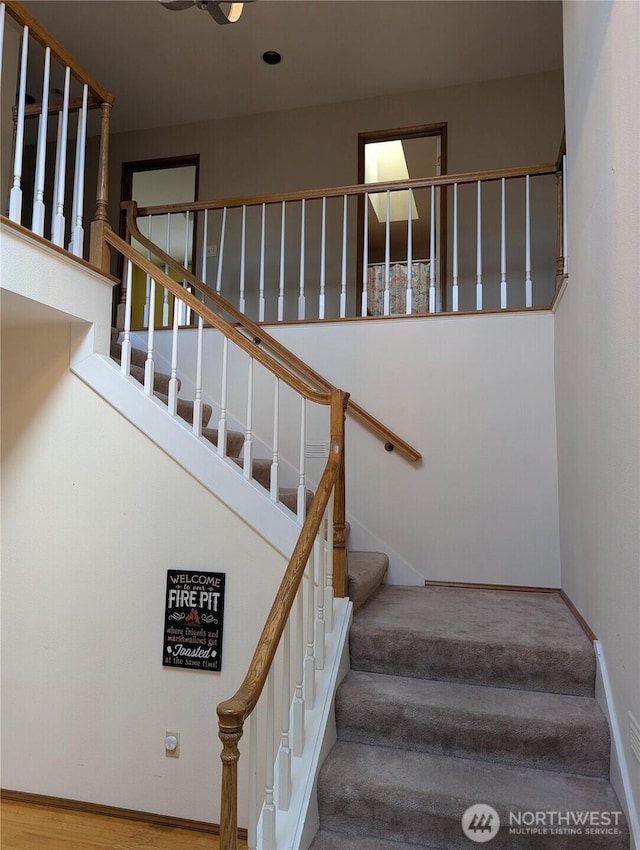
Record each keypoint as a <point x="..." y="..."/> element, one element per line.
<point x="30" y="827"/>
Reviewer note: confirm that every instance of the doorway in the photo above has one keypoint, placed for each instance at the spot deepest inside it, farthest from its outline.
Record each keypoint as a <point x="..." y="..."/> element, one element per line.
<point x="400" y="154"/>
<point x="154" y="182"/>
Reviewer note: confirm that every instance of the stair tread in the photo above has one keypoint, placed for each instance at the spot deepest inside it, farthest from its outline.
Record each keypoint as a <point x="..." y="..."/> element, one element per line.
<point x="421" y="797"/>
<point x="504" y="638"/>
<point x="366" y="573"/>
<point x="535" y="728"/>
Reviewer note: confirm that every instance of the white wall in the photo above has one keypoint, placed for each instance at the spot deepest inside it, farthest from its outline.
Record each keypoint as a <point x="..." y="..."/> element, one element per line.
<point x="598" y="344"/>
<point x="475" y="395"/>
<point x="93" y="514"/>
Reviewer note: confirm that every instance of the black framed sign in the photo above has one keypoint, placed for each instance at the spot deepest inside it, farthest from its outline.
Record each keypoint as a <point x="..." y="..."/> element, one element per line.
<point x="193" y="620"/>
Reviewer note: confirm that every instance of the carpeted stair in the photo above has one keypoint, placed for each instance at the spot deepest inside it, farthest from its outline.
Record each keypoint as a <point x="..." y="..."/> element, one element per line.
<point x="367" y="570"/>
<point x="457" y="697"/>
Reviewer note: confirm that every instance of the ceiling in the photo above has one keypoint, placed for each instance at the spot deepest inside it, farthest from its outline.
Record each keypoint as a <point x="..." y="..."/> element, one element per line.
<point x="169" y="68"/>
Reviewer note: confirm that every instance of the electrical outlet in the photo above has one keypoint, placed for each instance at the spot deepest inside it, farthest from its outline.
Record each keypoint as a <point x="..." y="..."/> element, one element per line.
<point x="172" y="744"/>
<point x="212" y="250"/>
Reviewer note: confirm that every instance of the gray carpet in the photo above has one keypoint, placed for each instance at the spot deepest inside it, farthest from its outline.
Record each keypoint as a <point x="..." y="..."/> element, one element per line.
<point x="458" y="697"/>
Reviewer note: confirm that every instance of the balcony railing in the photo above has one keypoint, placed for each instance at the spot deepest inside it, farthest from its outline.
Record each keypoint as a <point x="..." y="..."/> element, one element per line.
<point x="54" y="99"/>
<point x="323" y="254"/>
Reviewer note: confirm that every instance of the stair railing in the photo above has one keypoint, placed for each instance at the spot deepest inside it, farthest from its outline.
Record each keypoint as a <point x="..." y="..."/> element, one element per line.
<point x="76" y="92"/>
<point x="296" y="633"/>
<point x="376" y="249"/>
<point x="259" y="335"/>
<point x="299" y="623"/>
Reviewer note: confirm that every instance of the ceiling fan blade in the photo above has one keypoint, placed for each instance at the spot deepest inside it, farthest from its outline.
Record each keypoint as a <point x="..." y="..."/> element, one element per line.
<point x="177" y="5"/>
<point x="224" y="13"/>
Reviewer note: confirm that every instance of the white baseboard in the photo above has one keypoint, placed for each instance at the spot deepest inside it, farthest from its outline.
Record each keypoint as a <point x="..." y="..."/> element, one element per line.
<point x="620" y="776"/>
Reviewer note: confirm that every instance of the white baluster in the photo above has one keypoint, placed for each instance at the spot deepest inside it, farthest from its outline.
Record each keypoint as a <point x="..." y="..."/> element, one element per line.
<point x="387" y="255"/>
<point x="262" y="247"/>
<point x="301" y="296"/>
<point x="15" y="196"/>
<point x="409" y="292"/>
<point x="503" y="247"/>
<point x="284" y="757"/>
<point x="433" y="260"/>
<point x="343" y="287"/>
<point x="269" y="809"/>
<point x="125" y="351"/>
<point x="172" y="403"/>
<point x="252" y="826"/>
<point x="205" y="238"/>
<point x="479" y="250"/>
<point x="248" y="440"/>
<point x="165" y="302"/>
<point x="185" y="310"/>
<point x="275" y="477"/>
<point x="454" y="290"/>
<point x="298" y="700"/>
<point x="319" y="639"/>
<point x="302" y="495"/>
<point x="364" y="307"/>
<point x="37" y="219"/>
<point x="309" y="659"/>
<point x="197" y="404"/>
<point x="149" y="367"/>
<point x="527" y="227"/>
<point x="328" y="589"/>
<point x="323" y="261"/>
<point x="243" y="238"/>
<point x="281" y="291"/>
<point x="222" y="423"/>
<point x="223" y="227"/>
<point x="57" y="230"/>
<point x="77" y="209"/>
<point x="146" y="313"/>
<point x="565" y="227"/>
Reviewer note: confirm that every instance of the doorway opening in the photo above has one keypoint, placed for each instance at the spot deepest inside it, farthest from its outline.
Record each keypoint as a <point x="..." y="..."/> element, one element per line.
<point x="401" y="154"/>
<point x="155" y="182"/>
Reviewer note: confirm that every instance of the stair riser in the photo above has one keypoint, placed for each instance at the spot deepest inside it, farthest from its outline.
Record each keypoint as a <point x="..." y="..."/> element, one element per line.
<point x="578" y="745"/>
<point x="409" y="654"/>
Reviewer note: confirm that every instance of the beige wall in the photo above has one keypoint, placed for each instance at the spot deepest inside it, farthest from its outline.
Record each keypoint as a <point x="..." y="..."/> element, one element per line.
<point x="598" y="346"/>
<point x="93" y="515"/>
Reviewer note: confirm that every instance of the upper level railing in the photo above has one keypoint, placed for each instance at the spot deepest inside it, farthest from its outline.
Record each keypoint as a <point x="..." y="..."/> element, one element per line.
<point x="461" y="242"/>
<point x="46" y="190"/>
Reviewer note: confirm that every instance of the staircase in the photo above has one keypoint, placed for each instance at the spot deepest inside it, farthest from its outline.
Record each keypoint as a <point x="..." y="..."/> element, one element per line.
<point x="455" y="697"/>
<point x="459" y="697"/>
<point x="261" y="468"/>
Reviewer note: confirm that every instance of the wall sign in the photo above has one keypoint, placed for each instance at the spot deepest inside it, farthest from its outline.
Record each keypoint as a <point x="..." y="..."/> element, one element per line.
<point x="193" y="620"/>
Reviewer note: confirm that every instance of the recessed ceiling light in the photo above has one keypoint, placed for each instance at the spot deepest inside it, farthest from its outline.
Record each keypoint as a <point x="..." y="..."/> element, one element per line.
<point x="271" y="57"/>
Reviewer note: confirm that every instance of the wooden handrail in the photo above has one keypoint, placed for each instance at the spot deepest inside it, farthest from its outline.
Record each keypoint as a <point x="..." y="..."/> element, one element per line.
<point x="355" y="189"/>
<point x="215" y="320"/>
<point x="233" y="712"/>
<point x="25" y="18"/>
<point x="389" y="437"/>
